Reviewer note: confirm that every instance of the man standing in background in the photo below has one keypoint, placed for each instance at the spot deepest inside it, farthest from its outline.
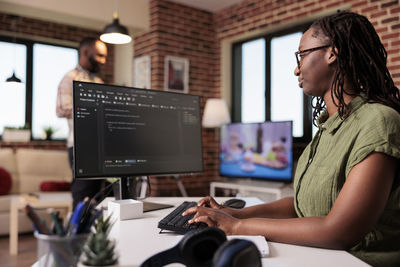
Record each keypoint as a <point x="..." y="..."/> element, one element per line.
<point x="92" y="55"/>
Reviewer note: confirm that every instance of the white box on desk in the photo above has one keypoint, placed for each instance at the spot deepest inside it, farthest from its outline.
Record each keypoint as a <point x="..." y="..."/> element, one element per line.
<point x="125" y="209"/>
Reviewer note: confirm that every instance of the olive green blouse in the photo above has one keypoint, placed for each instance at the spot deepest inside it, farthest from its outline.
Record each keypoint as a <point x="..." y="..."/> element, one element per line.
<point x="325" y="164"/>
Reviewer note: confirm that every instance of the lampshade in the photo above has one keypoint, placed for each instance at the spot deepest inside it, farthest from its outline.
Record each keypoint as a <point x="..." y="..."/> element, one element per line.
<point x="215" y="113"/>
<point x="13" y="78"/>
<point x="115" y="33"/>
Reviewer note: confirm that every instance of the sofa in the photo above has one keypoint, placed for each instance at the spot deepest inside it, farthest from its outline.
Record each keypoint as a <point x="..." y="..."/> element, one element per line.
<point x="29" y="168"/>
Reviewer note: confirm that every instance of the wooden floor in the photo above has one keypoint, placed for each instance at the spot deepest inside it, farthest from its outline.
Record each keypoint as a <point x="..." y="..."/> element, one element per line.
<point x="27" y="250"/>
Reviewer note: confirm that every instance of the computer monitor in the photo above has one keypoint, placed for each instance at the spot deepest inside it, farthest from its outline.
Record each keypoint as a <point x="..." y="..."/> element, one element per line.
<point x="257" y="150"/>
<point x="123" y="132"/>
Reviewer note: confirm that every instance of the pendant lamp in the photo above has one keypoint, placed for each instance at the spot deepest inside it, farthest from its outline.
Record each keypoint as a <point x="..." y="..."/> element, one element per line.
<point x="115" y="33"/>
<point x="13" y="78"/>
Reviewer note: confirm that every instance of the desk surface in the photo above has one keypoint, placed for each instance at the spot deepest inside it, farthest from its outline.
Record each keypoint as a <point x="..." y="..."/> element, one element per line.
<point x="138" y="239"/>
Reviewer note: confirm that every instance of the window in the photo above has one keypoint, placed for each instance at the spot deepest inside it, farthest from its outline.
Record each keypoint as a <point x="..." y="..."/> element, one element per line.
<point x="47" y="74"/>
<point x="253" y="81"/>
<point x="12" y="95"/>
<point x="40" y="66"/>
<point x="264" y="85"/>
<point x="286" y="96"/>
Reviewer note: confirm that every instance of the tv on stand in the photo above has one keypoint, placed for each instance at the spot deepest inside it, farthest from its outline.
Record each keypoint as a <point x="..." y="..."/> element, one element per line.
<point x="257" y="151"/>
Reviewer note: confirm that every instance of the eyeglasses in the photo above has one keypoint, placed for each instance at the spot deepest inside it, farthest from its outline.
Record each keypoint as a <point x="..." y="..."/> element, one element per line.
<point x="302" y="53"/>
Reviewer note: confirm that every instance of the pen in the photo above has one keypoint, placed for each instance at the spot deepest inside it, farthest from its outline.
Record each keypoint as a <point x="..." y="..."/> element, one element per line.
<point x="52" y="225"/>
<point x="86" y="211"/>
<point x="92" y="220"/>
<point x="38" y="222"/>
<point x="67" y="221"/>
<point x="75" y="219"/>
<point x="57" y="224"/>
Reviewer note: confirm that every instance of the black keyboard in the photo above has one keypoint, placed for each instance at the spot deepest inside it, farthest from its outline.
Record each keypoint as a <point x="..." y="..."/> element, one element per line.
<point x="177" y="223"/>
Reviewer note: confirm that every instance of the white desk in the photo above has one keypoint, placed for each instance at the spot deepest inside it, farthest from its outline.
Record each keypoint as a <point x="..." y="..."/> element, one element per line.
<point x="139" y="239"/>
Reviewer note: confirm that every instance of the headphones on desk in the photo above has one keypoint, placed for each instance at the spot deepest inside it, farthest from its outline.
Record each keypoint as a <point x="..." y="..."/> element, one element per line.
<point x="208" y="247"/>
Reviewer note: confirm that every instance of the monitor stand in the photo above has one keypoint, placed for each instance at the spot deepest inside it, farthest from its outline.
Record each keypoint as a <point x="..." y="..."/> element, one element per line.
<point x="180" y="185"/>
<point x="125" y="192"/>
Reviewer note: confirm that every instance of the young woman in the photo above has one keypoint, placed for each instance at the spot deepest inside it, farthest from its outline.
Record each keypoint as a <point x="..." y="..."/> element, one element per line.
<point x="347" y="192"/>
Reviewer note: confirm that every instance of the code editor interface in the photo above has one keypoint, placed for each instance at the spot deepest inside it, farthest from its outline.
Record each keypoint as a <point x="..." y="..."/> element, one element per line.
<point x="129" y="131"/>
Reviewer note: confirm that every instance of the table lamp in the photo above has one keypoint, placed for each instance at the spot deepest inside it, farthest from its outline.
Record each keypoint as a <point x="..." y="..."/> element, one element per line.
<point x="215" y="113"/>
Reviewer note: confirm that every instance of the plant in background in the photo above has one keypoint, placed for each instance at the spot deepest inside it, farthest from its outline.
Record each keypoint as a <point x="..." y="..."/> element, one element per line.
<point x="17" y="133"/>
<point x="99" y="250"/>
<point x="49" y="131"/>
<point x="26" y="126"/>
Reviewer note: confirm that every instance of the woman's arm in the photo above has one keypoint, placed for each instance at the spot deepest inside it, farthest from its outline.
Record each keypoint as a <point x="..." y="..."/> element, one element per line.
<point x="357" y="208"/>
<point x="280" y="209"/>
<point x="283" y="208"/>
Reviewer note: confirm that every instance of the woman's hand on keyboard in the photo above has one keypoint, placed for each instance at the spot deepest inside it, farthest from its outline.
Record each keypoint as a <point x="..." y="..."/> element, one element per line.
<point x="209" y="202"/>
<point x="213" y="217"/>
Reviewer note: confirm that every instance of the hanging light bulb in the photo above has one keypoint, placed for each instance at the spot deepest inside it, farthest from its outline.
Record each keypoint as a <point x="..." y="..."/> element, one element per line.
<point x="115" y="33"/>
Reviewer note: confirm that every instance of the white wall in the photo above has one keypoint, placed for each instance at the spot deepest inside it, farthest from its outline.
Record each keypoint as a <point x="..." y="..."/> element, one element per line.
<point x="123" y="71"/>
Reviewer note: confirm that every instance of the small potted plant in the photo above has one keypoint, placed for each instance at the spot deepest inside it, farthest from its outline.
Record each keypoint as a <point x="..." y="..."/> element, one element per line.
<point x="99" y="250"/>
<point x="49" y="131"/>
<point x="16" y="134"/>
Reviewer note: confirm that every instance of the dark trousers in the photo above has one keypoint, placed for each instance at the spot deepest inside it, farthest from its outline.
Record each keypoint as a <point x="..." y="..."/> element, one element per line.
<point x="82" y="188"/>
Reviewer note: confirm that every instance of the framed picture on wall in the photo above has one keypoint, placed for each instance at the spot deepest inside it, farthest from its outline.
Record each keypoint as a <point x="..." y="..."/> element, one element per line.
<point x="142" y="72"/>
<point x="176" y="74"/>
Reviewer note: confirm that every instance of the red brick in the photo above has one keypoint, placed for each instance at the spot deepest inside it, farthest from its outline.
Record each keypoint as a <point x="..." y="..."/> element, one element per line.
<point x="395" y="43"/>
<point x="378" y="14"/>
<point x="390" y="36"/>
<point x="389" y="20"/>
<point x="395" y="10"/>
<point x="369" y="9"/>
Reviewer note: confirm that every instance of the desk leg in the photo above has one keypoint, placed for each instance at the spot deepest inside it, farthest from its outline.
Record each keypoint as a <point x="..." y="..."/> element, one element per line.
<point x="69" y="207"/>
<point x="13" y="230"/>
<point x="212" y="190"/>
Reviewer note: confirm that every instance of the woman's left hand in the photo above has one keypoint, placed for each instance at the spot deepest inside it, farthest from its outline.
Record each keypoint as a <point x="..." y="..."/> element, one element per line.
<point x="214" y="218"/>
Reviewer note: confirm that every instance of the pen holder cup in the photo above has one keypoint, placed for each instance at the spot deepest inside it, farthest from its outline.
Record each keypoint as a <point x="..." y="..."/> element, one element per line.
<point x="57" y="251"/>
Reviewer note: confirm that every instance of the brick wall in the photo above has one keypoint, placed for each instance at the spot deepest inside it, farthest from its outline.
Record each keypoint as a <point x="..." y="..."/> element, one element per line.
<point x="253" y="15"/>
<point x="187" y="32"/>
<point x="38" y="29"/>
<point x="177" y="30"/>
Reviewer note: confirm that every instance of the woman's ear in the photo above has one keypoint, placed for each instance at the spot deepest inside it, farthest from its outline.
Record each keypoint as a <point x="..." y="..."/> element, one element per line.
<point x="331" y="56"/>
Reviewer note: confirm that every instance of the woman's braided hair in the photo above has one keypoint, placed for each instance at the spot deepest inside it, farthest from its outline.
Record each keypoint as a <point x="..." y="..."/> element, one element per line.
<point x="361" y="59"/>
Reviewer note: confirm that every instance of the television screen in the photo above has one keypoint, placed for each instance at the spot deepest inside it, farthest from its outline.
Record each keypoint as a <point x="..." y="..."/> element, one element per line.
<point x="257" y="150"/>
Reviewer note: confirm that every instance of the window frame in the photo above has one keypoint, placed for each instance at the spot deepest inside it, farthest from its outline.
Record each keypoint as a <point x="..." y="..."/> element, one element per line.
<point x="237" y="77"/>
<point x="29" y="74"/>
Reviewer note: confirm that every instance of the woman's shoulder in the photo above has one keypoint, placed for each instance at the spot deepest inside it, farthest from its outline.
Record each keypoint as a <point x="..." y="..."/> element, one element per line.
<point x="377" y="113"/>
<point x="375" y="127"/>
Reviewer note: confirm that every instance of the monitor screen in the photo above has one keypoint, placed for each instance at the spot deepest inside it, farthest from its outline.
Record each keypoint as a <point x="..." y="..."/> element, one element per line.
<point x="123" y="131"/>
<point x="257" y="150"/>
